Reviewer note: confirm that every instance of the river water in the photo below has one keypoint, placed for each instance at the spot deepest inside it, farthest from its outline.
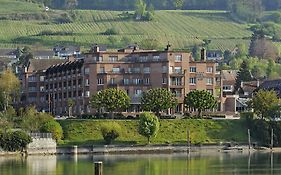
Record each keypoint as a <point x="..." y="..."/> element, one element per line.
<point x="146" y="164"/>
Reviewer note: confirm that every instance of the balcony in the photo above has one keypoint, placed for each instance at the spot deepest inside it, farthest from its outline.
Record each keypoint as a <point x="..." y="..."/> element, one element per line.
<point x="176" y="74"/>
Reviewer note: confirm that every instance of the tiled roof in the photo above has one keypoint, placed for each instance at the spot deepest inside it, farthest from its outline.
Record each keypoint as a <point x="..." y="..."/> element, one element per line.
<point x="272" y="85"/>
<point x="43" y="64"/>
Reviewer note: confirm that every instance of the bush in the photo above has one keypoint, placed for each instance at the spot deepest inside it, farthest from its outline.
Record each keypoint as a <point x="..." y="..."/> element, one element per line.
<point x="14" y="141"/>
<point x="54" y="128"/>
<point x="110" y="132"/>
<point x="111" y="31"/>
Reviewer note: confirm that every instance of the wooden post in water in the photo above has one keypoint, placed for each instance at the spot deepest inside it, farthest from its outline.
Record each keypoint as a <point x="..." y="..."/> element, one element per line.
<point x="249" y="139"/>
<point x="98" y="168"/>
<point x="271" y="140"/>
<point x="188" y="141"/>
<point x="75" y="149"/>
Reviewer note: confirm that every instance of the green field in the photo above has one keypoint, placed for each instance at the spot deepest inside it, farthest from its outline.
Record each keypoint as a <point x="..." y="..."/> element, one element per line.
<point x="87" y="132"/>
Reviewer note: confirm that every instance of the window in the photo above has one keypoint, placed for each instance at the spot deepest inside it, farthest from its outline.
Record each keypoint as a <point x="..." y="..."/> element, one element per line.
<point x="137" y="81"/>
<point x="112" y="58"/>
<point x="178" y="70"/>
<point x="87" y="94"/>
<point x="147" y="81"/>
<point x="192" y="81"/>
<point x="32" y="89"/>
<point x="164" y="69"/>
<point x="126" y="81"/>
<point x="42" y="99"/>
<point x="42" y="88"/>
<point x="87" y="71"/>
<point x="178" y="58"/>
<point x="143" y="58"/>
<point x="32" y="99"/>
<point x="116" y="70"/>
<point x="100" y="81"/>
<point x="87" y="82"/>
<point x="112" y="81"/>
<point x="192" y="69"/>
<point x="156" y="58"/>
<point x="42" y="78"/>
<point x="176" y="81"/>
<point x="210" y="69"/>
<point x="101" y="70"/>
<point x="227" y="88"/>
<point x="209" y="81"/>
<point x="164" y="80"/>
<point x="146" y="70"/>
<point x="100" y="59"/>
<point x="137" y="70"/>
<point x="32" y="78"/>
<point x="138" y="92"/>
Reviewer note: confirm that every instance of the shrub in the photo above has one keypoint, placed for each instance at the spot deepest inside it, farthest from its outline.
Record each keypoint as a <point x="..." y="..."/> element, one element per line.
<point x="110" y="132"/>
<point x="14" y="141"/>
<point x="54" y="128"/>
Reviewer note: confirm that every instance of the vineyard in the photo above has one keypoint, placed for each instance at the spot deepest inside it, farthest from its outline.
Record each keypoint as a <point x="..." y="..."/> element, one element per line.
<point x="181" y="28"/>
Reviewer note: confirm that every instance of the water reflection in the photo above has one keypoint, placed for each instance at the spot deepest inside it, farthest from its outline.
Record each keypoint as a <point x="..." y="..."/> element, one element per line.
<point x="174" y="164"/>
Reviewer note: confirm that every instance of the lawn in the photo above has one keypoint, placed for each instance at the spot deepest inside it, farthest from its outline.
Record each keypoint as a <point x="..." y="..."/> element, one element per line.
<point x="87" y="132"/>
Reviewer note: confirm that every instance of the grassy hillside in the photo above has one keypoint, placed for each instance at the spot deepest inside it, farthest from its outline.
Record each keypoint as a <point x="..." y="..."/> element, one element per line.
<point x="181" y="28"/>
<point x="16" y="6"/>
<point x="171" y="131"/>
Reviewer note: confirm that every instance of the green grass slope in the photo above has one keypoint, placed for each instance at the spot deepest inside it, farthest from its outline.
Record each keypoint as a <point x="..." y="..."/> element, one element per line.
<point x="181" y="28"/>
<point x="87" y="132"/>
<point x="16" y="6"/>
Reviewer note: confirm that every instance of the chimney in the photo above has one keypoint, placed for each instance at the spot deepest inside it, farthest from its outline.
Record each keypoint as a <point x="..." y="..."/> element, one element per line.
<point x="168" y="46"/>
<point x="203" y="54"/>
<point x="96" y="48"/>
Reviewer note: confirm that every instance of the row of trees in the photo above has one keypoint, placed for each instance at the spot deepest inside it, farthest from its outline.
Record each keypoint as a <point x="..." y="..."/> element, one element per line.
<point x="166" y="4"/>
<point x="156" y="100"/>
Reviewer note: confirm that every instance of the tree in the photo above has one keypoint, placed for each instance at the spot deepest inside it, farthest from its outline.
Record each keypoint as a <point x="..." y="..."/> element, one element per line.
<point x="200" y="101"/>
<point x="157" y="100"/>
<point x="243" y="75"/>
<point x="110" y="132"/>
<point x="149" y="44"/>
<point x="111" y="99"/>
<point x="14" y="141"/>
<point x="249" y="10"/>
<point x="178" y="4"/>
<point x="32" y="121"/>
<point x="265" y="103"/>
<point x="53" y="127"/>
<point x="70" y="104"/>
<point x="262" y="47"/>
<point x="140" y="8"/>
<point x="9" y="87"/>
<point x="196" y="53"/>
<point x="148" y="125"/>
<point x="71" y="4"/>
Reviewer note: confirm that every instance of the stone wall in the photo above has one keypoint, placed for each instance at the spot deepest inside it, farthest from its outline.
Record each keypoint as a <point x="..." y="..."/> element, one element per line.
<point x="42" y="146"/>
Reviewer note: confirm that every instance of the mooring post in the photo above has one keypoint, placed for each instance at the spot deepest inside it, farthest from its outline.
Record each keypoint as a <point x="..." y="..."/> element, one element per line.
<point x="98" y="168"/>
<point x="271" y="140"/>
<point x="188" y="141"/>
<point x="75" y="150"/>
<point x="249" y="139"/>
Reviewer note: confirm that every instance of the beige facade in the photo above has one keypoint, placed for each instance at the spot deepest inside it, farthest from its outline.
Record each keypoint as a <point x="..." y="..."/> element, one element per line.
<point x="132" y="70"/>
